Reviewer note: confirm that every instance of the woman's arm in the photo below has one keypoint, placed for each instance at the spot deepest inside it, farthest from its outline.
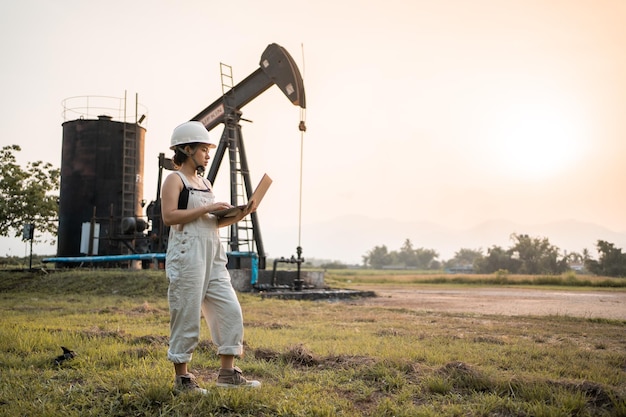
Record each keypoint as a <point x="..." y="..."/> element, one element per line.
<point x="172" y="186"/>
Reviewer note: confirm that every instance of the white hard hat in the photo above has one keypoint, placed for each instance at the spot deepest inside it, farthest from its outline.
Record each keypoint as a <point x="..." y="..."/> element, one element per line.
<point x="190" y="132"/>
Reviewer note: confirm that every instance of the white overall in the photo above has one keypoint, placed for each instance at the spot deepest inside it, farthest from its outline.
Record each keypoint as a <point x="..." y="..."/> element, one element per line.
<point x="195" y="265"/>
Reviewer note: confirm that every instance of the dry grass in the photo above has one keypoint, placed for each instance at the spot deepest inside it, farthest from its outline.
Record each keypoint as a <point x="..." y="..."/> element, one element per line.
<point x="348" y="277"/>
<point x="314" y="358"/>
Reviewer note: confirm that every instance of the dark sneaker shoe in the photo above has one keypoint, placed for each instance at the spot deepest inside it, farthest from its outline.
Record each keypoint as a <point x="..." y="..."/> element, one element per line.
<point x="234" y="379"/>
<point x="188" y="383"/>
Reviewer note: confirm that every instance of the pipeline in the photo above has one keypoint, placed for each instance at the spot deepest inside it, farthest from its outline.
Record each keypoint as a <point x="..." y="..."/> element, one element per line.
<point x="298" y="282"/>
<point x="108" y="258"/>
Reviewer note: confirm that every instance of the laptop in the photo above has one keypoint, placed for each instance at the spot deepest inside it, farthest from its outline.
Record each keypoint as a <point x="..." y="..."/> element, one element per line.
<point x="256" y="197"/>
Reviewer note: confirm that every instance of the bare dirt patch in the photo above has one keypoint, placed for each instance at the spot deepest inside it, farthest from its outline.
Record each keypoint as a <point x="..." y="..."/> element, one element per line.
<point x="504" y="301"/>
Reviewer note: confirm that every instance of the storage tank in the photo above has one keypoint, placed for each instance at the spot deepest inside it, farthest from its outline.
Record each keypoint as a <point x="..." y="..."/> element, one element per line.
<point x="101" y="191"/>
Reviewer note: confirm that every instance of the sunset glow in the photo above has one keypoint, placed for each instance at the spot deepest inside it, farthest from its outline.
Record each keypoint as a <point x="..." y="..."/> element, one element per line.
<point x="448" y="112"/>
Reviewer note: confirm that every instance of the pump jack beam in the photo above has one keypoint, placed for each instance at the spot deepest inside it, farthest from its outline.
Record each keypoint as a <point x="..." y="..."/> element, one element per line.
<point x="276" y="67"/>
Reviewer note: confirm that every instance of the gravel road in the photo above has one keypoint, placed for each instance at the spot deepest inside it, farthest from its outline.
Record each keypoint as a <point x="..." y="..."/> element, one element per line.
<point x="505" y="301"/>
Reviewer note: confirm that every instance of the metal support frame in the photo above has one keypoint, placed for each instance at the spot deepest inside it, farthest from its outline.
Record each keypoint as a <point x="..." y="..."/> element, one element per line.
<point x="232" y="140"/>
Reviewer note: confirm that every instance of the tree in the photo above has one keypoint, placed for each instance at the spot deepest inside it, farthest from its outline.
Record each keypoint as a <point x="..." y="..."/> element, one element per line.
<point x="575" y="257"/>
<point x="407" y="254"/>
<point x="496" y="259"/>
<point x="612" y="262"/>
<point x="464" y="259"/>
<point x="378" y="257"/>
<point x="426" y="259"/>
<point x="586" y="255"/>
<point x="27" y="196"/>
<point x="537" y="255"/>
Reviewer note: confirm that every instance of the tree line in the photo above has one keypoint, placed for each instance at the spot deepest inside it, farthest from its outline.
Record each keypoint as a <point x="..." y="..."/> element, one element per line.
<point x="526" y="255"/>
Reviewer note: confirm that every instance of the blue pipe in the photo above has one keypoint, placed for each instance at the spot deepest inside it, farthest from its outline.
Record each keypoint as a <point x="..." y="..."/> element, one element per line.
<point x="109" y="258"/>
<point x="150" y="256"/>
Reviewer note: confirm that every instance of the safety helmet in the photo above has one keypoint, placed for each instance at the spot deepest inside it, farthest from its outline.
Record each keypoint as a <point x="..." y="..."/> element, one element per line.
<point x="190" y="132"/>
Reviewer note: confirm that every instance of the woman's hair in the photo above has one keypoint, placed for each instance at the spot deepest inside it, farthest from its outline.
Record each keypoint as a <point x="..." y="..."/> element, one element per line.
<point x="180" y="156"/>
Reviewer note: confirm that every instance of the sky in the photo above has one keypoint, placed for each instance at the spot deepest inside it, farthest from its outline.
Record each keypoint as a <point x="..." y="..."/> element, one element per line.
<point x="450" y="112"/>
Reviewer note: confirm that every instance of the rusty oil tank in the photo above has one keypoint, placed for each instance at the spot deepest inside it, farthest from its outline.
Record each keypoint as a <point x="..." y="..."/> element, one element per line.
<point x="101" y="184"/>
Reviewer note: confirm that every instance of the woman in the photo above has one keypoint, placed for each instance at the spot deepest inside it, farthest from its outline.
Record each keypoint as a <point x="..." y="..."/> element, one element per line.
<point x="196" y="264"/>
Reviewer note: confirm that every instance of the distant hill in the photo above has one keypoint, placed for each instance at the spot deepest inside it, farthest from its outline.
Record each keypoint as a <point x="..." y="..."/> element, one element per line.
<point x="348" y="238"/>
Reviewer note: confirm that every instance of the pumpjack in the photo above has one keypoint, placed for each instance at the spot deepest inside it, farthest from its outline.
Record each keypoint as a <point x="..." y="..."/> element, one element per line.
<point x="276" y="67"/>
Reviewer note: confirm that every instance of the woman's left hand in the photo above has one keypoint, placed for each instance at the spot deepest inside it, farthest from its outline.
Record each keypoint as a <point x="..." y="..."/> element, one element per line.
<point x="250" y="208"/>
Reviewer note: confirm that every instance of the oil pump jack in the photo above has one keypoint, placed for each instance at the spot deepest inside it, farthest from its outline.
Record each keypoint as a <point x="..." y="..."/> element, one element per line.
<point x="275" y="67"/>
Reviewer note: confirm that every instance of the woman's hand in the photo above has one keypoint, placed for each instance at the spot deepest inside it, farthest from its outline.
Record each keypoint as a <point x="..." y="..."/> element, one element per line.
<point x="250" y="208"/>
<point x="227" y="221"/>
<point x="217" y="206"/>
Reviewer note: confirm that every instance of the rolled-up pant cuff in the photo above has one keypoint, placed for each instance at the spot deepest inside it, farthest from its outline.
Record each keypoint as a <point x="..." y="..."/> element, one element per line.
<point x="179" y="358"/>
<point x="230" y="350"/>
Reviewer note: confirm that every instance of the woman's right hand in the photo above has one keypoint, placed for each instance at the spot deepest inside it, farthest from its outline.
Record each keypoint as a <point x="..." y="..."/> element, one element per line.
<point x="217" y="206"/>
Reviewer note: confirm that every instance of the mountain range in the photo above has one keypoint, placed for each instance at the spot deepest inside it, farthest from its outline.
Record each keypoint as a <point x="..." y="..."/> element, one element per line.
<point x="347" y="239"/>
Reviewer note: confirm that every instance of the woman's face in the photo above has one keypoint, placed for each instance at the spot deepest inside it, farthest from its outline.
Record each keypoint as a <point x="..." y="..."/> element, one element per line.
<point x="201" y="154"/>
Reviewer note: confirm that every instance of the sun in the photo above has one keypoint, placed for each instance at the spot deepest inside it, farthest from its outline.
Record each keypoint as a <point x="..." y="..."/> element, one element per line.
<point x="536" y="139"/>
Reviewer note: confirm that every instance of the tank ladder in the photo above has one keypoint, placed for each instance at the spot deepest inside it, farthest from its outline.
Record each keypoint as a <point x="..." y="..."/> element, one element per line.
<point x="129" y="177"/>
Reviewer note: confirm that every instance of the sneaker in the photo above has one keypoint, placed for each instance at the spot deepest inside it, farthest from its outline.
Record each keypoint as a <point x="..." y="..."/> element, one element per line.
<point x="188" y="383"/>
<point x="232" y="378"/>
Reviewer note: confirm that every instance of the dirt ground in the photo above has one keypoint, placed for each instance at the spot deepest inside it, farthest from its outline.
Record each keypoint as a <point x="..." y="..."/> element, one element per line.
<point x="504" y="301"/>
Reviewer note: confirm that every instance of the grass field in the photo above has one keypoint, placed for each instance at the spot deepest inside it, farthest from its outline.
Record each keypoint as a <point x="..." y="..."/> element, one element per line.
<point x="320" y="358"/>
